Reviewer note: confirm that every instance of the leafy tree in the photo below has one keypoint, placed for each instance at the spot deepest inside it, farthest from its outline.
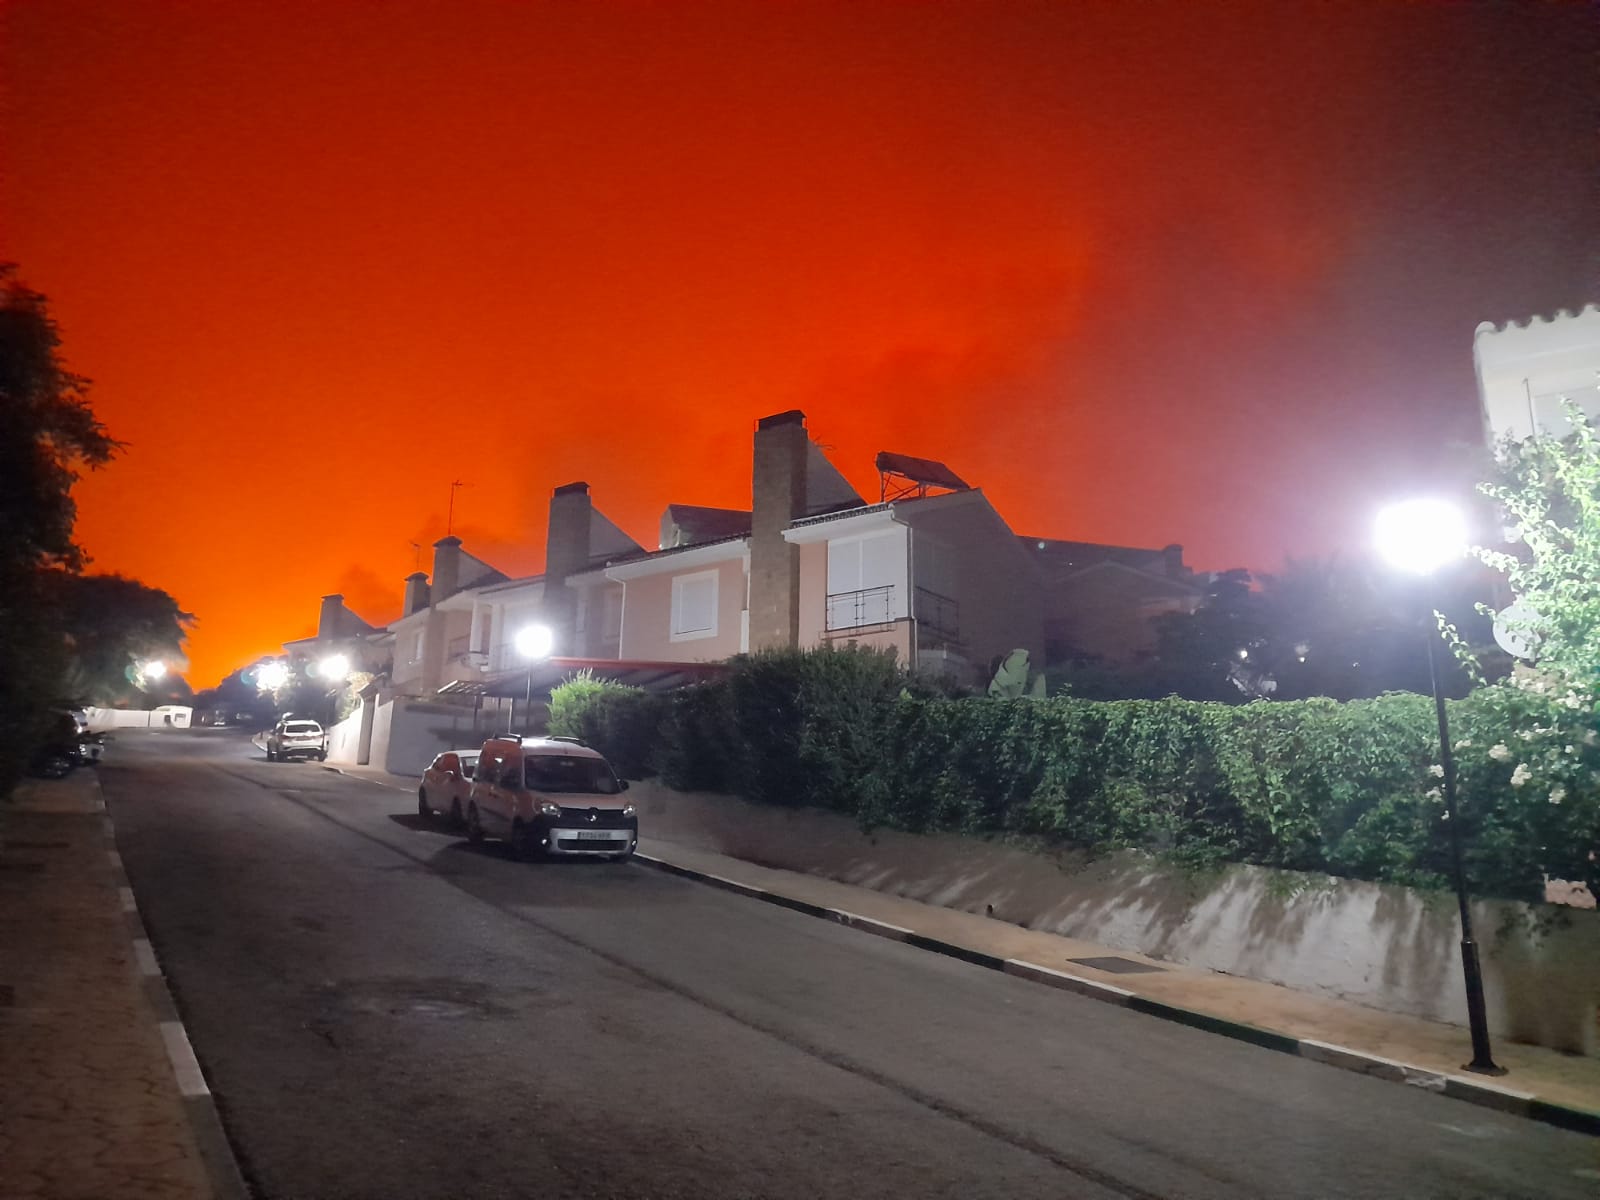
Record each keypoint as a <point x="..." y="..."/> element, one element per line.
<point x="48" y="434"/>
<point x="113" y="624"/>
<point x="1548" y="489"/>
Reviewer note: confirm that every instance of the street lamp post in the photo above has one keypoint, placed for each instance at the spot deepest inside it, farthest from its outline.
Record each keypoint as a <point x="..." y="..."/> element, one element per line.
<point x="533" y="642"/>
<point x="1420" y="536"/>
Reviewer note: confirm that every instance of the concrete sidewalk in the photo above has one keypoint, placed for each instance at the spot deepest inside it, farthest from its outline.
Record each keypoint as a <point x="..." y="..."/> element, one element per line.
<point x="100" y="1094"/>
<point x="1541" y="1084"/>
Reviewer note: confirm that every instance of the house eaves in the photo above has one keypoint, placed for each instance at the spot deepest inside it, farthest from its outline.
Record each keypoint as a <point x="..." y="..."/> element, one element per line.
<point x="677" y="558"/>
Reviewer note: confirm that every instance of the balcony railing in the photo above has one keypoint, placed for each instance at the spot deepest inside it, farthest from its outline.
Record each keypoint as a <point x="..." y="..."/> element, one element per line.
<point x="938" y="619"/>
<point x="866" y="606"/>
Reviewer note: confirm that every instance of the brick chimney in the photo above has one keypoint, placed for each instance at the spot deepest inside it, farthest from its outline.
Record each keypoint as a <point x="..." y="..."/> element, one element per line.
<point x="566" y="547"/>
<point x="328" y="620"/>
<point x="416" y="593"/>
<point x="777" y="497"/>
<point x="566" y="552"/>
<point x="446" y="568"/>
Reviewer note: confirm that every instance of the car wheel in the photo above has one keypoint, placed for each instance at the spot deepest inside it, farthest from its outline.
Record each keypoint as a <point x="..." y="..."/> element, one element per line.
<point x="474" y="826"/>
<point x="456" y="819"/>
<point x="525" y="845"/>
<point x="322" y="756"/>
<point x="271" y="757"/>
<point x="424" y="809"/>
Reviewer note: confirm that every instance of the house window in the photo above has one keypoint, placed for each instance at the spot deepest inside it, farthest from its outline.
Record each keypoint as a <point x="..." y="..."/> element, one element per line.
<point x="866" y="580"/>
<point x="694" y="606"/>
<point x="416" y="647"/>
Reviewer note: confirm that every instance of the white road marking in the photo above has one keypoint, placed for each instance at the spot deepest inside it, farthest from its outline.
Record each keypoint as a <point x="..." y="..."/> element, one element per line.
<point x="184" y="1064"/>
<point x="145" y="953"/>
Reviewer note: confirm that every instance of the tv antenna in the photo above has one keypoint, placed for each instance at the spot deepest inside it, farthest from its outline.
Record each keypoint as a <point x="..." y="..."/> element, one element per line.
<point x="416" y="559"/>
<point x="450" y="518"/>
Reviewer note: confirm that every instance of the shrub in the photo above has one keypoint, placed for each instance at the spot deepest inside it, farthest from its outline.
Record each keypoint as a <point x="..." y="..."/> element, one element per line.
<point x="1350" y="788"/>
<point x="621" y="722"/>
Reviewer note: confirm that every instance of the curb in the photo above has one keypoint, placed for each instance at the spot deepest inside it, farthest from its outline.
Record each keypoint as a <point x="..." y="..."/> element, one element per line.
<point x="1459" y="1087"/>
<point x="199" y="1103"/>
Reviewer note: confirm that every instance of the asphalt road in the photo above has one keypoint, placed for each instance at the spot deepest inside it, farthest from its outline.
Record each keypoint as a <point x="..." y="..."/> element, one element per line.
<point x="385" y="1011"/>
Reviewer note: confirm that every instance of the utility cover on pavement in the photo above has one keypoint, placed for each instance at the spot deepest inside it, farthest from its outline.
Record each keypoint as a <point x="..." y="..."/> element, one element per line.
<point x="1116" y="966"/>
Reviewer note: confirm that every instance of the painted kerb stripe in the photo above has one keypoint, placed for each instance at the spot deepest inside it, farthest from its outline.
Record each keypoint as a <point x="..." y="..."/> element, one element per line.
<point x="184" y="1064"/>
<point x="145" y="955"/>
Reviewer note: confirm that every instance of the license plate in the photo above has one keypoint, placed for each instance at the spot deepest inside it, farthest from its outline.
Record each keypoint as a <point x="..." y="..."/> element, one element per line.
<point x="595" y="835"/>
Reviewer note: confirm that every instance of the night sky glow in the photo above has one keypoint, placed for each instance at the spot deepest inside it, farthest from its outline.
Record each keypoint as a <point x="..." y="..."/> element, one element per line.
<point x="1201" y="272"/>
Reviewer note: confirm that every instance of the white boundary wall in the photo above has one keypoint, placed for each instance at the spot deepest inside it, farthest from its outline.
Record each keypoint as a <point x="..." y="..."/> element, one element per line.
<point x="407" y="734"/>
<point x="1387" y="947"/>
<point x="175" y="715"/>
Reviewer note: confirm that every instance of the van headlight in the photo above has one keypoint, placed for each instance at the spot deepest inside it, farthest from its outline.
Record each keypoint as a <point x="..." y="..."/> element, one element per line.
<point x="629" y="810"/>
<point x="549" y="809"/>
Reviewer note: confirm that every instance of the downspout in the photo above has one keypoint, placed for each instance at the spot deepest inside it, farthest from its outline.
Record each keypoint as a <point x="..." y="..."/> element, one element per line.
<point x="911" y="586"/>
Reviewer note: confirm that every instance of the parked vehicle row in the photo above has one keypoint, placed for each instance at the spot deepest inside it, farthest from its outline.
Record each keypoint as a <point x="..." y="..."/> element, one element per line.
<point x="543" y="796"/>
<point x="67" y="745"/>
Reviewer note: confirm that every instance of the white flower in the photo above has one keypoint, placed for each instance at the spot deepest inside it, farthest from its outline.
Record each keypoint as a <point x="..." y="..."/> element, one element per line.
<point x="1573" y="700"/>
<point x="1434" y="794"/>
<point x="1521" y="775"/>
<point x="1571" y="750"/>
<point x="1500" y="753"/>
<point x="1557" y="795"/>
<point x="1436" y="771"/>
<point x="1591" y="738"/>
<point x="1464" y="744"/>
<point x="1528" y="735"/>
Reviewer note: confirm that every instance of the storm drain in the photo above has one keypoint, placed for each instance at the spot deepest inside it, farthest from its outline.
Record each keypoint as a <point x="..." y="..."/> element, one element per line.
<point x="1116" y="966"/>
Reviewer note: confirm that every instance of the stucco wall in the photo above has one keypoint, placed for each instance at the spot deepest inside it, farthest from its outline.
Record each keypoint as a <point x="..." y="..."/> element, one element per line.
<point x="1387" y="947"/>
<point x="1000" y="595"/>
<point x="647" y="617"/>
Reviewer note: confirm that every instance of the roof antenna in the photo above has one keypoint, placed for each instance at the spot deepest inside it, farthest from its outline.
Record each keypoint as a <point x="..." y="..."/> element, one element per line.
<point x="450" y="520"/>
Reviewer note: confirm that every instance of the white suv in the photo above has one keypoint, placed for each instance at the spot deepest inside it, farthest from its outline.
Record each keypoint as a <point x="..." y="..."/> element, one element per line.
<point x="296" y="737"/>
<point x="550" y="796"/>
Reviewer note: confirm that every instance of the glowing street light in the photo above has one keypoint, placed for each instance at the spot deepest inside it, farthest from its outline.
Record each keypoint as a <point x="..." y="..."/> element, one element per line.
<point x="152" y="671"/>
<point x="532" y="642"/>
<point x="334" y="668"/>
<point x="272" y="676"/>
<point x="1420" y="536"/>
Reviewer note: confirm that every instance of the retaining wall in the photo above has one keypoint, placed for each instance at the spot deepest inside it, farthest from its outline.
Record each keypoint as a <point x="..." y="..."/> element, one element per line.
<point x="1387" y="947"/>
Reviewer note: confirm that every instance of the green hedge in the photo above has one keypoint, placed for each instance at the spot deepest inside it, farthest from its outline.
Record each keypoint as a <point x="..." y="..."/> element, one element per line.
<point x="1347" y="788"/>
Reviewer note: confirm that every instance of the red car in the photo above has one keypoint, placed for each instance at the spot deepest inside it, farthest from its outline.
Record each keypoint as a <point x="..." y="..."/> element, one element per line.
<point x="445" y="785"/>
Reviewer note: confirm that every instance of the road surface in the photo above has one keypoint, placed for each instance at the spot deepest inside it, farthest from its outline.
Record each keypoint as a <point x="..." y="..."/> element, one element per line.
<point x="385" y="1011"/>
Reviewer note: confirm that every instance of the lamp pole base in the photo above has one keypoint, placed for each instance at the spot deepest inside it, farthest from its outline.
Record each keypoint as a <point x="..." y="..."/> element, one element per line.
<point x="1482" y="1061"/>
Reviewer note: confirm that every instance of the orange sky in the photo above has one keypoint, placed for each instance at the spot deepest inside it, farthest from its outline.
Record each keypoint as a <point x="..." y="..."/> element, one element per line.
<point x="1197" y="273"/>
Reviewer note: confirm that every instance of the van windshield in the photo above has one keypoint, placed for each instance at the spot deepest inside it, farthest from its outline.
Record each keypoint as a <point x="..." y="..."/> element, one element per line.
<point x="569" y="773"/>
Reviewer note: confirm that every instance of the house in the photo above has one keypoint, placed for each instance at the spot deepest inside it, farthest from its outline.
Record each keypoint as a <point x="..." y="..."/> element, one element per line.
<point x="1100" y="601"/>
<point x="1526" y="370"/>
<point x="929" y="570"/>
<point x="366" y="647"/>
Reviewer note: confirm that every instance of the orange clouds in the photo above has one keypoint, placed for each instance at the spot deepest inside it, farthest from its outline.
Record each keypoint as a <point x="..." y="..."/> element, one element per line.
<point x="1147" y="274"/>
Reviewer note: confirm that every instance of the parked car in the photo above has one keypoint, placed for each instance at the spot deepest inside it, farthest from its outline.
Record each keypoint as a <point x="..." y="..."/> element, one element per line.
<point x="65" y="746"/>
<point x="297" y="737"/>
<point x="550" y="796"/>
<point x="446" y="785"/>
